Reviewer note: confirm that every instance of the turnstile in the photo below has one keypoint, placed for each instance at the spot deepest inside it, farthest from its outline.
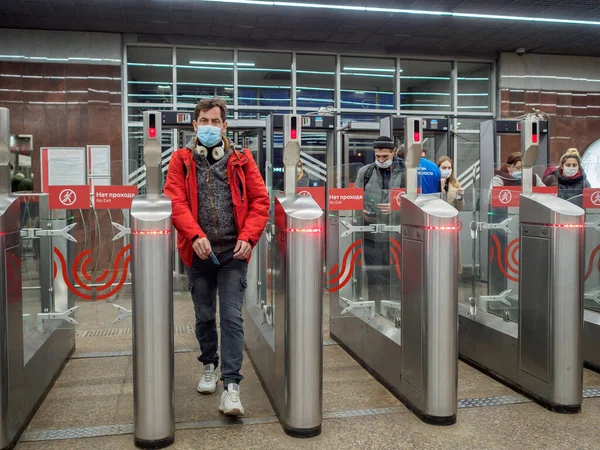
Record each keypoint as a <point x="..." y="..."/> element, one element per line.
<point x="541" y="355"/>
<point x="32" y="356"/>
<point x="283" y="316"/>
<point x="152" y="301"/>
<point x="413" y="350"/>
<point x="491" y="132"/>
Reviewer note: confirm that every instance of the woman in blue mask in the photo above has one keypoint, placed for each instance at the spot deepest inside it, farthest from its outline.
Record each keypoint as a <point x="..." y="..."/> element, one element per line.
<point x="452" y="192"/>
<point x="510" y="173"/>
<point x="449" y="185"/>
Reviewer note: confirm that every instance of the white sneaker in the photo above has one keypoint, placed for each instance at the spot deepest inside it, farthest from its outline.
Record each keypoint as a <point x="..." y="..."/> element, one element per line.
<point x="208" y="381"/>
<point x="231" y="404"/>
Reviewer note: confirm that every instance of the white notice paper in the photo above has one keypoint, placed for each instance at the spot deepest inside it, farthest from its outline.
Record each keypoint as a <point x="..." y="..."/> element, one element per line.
<point x="66" y="167"/>
<point x="99" y="158"/>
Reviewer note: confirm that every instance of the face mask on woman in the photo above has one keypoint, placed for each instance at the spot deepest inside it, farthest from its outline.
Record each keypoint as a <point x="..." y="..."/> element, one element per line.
<point x="570" y="172"/>
<point x="446" y="173"/>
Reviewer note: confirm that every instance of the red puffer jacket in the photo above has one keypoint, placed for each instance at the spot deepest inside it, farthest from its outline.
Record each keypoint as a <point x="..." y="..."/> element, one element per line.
<point x="250" y="199"/>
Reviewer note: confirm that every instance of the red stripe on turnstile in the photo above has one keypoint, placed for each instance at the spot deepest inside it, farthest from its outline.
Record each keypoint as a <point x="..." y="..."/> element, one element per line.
<point x="349" y="276"/>
<point x="499" y="259"/>
<point x="344" y="262"/>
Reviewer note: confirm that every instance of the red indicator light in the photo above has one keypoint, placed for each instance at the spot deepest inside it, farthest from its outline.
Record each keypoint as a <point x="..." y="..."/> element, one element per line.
<point x="151" y="232"/>
<point x="567" y="225"/>
<point x="293" y="134"/>
<point x="152" y="132"/>
<point x="534" y="138"/>
<point x="303" y="230"/>
<point x="417" y="137"/>
<point x="556" y="225"/>
<point x="448" y="228"/>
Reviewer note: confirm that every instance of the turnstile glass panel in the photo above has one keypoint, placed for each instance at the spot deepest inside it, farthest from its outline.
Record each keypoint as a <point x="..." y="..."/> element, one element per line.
<point x="313" y="157"/>
<point x="93" y="275"/>
<point x="589" y="199"/>
<point x="365" y="271"/>
<point x="495" y="234"/>
<point x="35" y="259"/>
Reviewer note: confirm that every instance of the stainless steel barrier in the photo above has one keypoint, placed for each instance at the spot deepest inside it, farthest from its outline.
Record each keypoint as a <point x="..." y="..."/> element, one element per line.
<point x="152" y="305"/>
<point x="429" y="295"/>
<point x="542" y="354"/>
<point x="11" y="334"/>
<point x="551" y="290"/>
<point x="283" y="323"/>
<point x="31" y="357"/>
<point x="402" y="325"/>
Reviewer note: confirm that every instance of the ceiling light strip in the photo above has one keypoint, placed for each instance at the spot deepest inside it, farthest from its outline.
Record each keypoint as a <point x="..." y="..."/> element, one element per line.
<point x="410" y="11"/>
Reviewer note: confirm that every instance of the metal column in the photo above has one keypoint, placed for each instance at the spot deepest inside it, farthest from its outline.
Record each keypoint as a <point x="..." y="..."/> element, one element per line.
<point x="429" y="295"/>
<point x="152" y="305"/>
<point x="299" y="223"/>
<point x="550" y="361"/>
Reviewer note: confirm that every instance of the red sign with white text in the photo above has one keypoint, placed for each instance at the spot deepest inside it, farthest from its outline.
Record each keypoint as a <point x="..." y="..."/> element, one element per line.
<point x="69" y="197"/>
<point x="317" y="193"/>
<point x="346" y="199"/>
<point x="591" y="198"/>
<point x="114" y="197"/>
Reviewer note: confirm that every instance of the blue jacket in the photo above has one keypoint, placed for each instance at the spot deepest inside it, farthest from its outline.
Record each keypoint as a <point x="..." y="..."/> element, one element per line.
<point x="429" y="176"/>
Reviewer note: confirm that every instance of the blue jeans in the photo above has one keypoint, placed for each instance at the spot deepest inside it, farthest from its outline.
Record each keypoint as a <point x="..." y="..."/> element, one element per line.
<point x="230" y="280"/>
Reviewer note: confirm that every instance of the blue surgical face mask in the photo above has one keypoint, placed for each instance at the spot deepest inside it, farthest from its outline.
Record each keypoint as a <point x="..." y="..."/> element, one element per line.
<point x="208" y="135"/>
<point x="446" y="173"/>
<point x="516" y="175"/>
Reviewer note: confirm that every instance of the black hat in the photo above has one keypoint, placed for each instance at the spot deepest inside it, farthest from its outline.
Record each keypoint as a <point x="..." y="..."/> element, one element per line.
<point x="384" y="142"/>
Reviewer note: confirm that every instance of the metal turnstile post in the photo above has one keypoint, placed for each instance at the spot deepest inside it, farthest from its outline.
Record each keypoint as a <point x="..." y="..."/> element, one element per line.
<point x="429" y="295"/>
<point x="550" y="362"/>
<point x="284" y="337"/>
<point x="152" y="306"/>
<point x="299" y="223"/>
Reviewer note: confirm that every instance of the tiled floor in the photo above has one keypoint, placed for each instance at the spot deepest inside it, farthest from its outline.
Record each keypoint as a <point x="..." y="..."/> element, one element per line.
<point x="92" y="392"/>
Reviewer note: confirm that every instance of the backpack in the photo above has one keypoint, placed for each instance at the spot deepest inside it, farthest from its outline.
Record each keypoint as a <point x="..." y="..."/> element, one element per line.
<point x="368" y="175"/>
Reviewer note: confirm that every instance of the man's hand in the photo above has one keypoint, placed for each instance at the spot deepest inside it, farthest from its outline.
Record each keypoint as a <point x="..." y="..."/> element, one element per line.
<point x="242" y="250"/>
<point x="369" y="216"/>
<point x="202" y="247"/>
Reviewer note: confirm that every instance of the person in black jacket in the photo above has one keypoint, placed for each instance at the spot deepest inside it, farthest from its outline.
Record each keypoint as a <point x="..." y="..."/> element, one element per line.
<point x="569" y="177"/>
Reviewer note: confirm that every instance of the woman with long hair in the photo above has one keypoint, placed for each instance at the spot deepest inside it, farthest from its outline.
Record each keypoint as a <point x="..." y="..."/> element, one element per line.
<point x="452" y="192"/>
<point x="449" y="185"/>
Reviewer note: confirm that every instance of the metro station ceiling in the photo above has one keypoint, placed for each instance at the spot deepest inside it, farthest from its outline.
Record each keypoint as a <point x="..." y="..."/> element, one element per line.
<point x="261" y="24"/>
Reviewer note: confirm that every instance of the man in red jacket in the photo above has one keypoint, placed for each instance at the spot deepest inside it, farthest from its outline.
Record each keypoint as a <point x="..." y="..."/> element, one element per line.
<point x="220" y="209"/>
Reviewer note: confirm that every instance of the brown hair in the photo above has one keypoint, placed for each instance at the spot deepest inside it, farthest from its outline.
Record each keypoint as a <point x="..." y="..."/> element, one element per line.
<point x="209" y="103"/>
<point x="571" y="153"/>
<point x="451" y="180"/>
<point x="512" y="159"/>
